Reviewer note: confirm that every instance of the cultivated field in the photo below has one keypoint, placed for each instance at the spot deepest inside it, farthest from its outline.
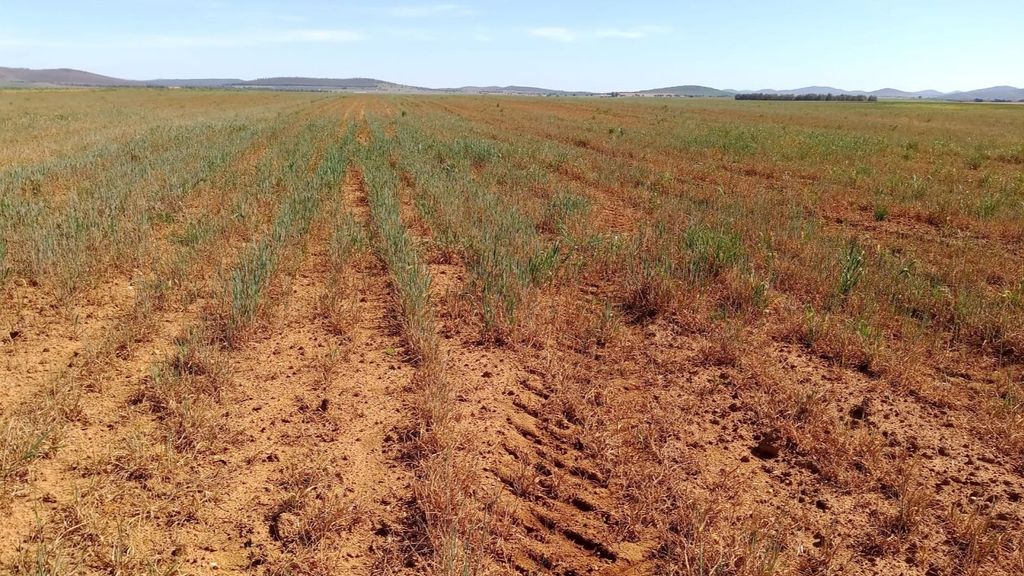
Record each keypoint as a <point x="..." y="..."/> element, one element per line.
<point x="271" y="333"/>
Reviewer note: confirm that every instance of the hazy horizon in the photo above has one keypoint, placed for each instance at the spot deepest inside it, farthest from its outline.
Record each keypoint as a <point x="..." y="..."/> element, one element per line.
<point x="594" y="46"/>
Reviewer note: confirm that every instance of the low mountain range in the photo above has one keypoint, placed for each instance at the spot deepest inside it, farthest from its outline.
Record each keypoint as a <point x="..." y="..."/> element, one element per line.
<point x="25" y="77"/>
<point x="58" y="77"/>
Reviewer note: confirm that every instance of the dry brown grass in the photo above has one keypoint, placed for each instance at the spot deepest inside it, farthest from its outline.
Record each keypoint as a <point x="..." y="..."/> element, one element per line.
<point x="34" y="429"/>
<point x="182" y="391"/>
<point x="313" y="512"/>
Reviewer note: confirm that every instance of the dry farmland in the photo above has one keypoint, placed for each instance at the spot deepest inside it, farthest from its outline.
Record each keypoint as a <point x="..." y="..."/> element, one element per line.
<point x="296" y="333"/>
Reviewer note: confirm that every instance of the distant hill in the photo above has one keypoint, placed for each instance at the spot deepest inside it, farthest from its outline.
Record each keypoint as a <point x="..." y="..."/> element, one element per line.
<point x="892" y="93"/>
<point x="289" y="83"/>
<point x="26" y="77"/>
<point x="999" y="92"/>
<point x="888" y="93"/>
<point x="194" y="82"/>
<point x="813" y="90"/>
<point x="59" y="77"/>
<point x="356" y="84"/>
<point x="801" y="91"/>
<point x="689" y="90"/>
<point x="70" y="77"/>
<point x="517" y="91"/>
<point x="994" y="93"/>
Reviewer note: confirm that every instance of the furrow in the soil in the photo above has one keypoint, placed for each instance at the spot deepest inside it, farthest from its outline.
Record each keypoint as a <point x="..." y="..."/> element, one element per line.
<point x="313" y="412"/>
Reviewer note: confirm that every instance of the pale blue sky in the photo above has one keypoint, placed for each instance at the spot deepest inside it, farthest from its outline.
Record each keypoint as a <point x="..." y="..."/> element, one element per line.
<point x="598" y="45"/>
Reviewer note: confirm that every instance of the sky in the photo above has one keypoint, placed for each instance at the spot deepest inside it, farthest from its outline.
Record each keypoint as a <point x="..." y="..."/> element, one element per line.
<point x="574" y="45"/>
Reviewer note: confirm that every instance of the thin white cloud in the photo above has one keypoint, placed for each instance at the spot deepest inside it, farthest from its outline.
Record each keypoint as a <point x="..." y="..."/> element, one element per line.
<point x="226" y="40"/>
<point x="556" y="33"/>
<point x="16" y="42"/>
<point x="567" y="35"/>
<point x="634" y="33"/>
<point x="330" y="36"/>
<point x="240" y="38"/>
<point x="298" y="36"/>
<point x="427" y="10"/>
<point x="419" y="34"/>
